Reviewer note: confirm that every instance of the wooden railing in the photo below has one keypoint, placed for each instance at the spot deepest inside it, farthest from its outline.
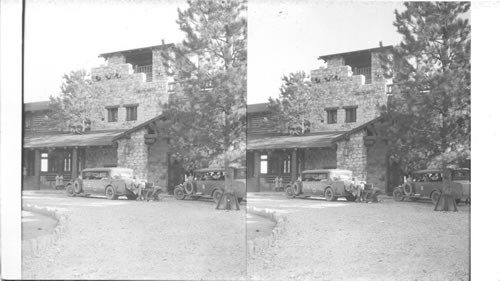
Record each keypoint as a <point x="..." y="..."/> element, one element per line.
<point x="147" y="69"/>
<point x="366" y="71"/>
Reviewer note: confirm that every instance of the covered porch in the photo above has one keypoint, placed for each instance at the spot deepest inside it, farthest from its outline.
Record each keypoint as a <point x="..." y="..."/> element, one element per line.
<point x="47" y="155"/>
<point x="275" y="161"/>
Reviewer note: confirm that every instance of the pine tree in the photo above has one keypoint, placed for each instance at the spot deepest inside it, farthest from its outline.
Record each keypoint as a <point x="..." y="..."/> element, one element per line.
<point x="429" y="111"/>
<point x="208" y="116"/>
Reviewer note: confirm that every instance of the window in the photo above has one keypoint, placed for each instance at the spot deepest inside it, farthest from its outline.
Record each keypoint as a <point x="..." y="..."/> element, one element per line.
<point x="44" y="167"/>
<point x="67" y="161"/>
<point x="287" y="165"/>
<point x="263" y="164"/>
<point x="131" y="112"/>
<point x="331" y="116"/>
<point x="113" y="114"/>
<point x="350" y="115"/>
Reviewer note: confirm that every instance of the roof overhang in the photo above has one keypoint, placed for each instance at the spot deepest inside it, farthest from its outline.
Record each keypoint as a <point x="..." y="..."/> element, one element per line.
<point x="293" y="142"/>
<point x="318" y="140"/>
<point x="137" y="50"/>
<point x="326" y="57"/>
<point x="60" y="140"/>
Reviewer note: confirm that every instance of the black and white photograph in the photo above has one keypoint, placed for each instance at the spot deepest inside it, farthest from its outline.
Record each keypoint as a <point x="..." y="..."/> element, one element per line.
<point x="247" y="140"/>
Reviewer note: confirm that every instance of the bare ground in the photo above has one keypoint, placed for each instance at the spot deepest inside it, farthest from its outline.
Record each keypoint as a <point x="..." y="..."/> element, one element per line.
<point x="168" y="240"/>
<point x="358" y="241"/>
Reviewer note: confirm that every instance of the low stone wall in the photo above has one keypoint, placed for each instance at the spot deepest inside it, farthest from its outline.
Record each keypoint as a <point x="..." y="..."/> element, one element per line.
<point x="260" y="244"/>
<point x="34" y="247"/>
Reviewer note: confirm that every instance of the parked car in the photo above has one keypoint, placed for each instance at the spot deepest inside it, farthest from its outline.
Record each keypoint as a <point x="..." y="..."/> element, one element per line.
<point x="111" y="182"/>
<point x="429" y="184"/>
<point x="328" y="183"/>
<point x="209" y="182"/>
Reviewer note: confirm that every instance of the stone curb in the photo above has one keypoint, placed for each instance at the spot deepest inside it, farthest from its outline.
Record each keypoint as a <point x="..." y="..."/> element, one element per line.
<point x="34" y="247"/>
<point x="260" y="244"/>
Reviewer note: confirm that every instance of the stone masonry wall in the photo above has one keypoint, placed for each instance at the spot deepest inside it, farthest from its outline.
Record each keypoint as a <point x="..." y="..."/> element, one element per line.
<point x="352" y="155"/>
<point x="349" y="90"/>
<point x="120" y="87"/>
<point x="320" y="158"/>
<point x="96" y="157"/>
<point x="133" y="153"/>
<point x="377" y="165"/>
<point x="158" y="163"/>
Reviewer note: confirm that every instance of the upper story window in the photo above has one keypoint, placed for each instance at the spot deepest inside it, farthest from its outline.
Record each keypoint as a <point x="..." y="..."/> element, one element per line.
<point x="331" y="116"/>
<point x="112" y="114"/>
<point x="350" y="115"/>
<point x="361" y="64"/>
<point x="131" y="112"/>
<point x="142" y="62"/>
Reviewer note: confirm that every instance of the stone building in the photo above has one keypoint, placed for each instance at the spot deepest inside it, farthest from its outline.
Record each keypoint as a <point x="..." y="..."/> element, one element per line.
<point x="345" y="138"/>
<point x="130" y="90"/>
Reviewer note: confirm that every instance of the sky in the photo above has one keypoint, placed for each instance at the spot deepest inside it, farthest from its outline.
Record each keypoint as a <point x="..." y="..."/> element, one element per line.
<point x="284" y="36"/>
<point x="288" y="36"/>
<point x="61" y="36"/>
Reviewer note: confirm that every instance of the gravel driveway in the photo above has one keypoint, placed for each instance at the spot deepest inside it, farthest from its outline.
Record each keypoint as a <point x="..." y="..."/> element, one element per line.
<point x="121" y="239"/>
<point x="357" y="241"/>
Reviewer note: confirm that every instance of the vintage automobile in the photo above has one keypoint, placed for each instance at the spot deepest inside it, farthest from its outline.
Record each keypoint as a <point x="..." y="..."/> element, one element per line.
<point x="209" y="182"/>
<point x="328" y="183"/>
<point x="111" y="182"/>
<point x="429" y="184"/>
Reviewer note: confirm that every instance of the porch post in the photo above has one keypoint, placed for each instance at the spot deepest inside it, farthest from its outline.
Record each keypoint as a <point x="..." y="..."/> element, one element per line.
<point x="294" y="165"/>
<point x="37" y="168"/>
<point x="74" y="163"/>
<point x="257" y="169"/>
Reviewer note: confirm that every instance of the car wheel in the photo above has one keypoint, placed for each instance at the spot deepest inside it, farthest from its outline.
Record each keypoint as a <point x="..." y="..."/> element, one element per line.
<point x="189" y="187"/>
<point x="329" y="195"/>
<point x="179" y="193"/>
<point x="435" y="197"/>
<point x="217" y="195"/>
<point x="131" y="196"/>
<point x="397" y="195"/>
<point x="407" y="189"/>
<point x="110" y="193"/>
<point x="69" y="190"/>
<point x="289" y="192"/>
<point x="297" y="189"/>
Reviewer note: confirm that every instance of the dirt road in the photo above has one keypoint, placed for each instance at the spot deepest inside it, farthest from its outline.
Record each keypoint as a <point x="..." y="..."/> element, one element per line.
<point x="357" y="241"/>
<point x="121" y="239"/>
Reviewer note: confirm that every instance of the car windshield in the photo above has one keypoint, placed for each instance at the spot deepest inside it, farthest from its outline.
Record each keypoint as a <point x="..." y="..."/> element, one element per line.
<point x="458" y="175"/>
<point x="343" y="175"/>
<point x="125" y="173"/>
<point x="210" y="176"/>
<point x="314" y="176"/>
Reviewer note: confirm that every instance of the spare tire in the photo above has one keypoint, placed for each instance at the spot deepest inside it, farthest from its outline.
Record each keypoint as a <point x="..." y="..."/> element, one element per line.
<point x="77" y="188"/>
<point x="407" y="189"/>
<point x="297" y="188"/>
<point x="189" y="187"/>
